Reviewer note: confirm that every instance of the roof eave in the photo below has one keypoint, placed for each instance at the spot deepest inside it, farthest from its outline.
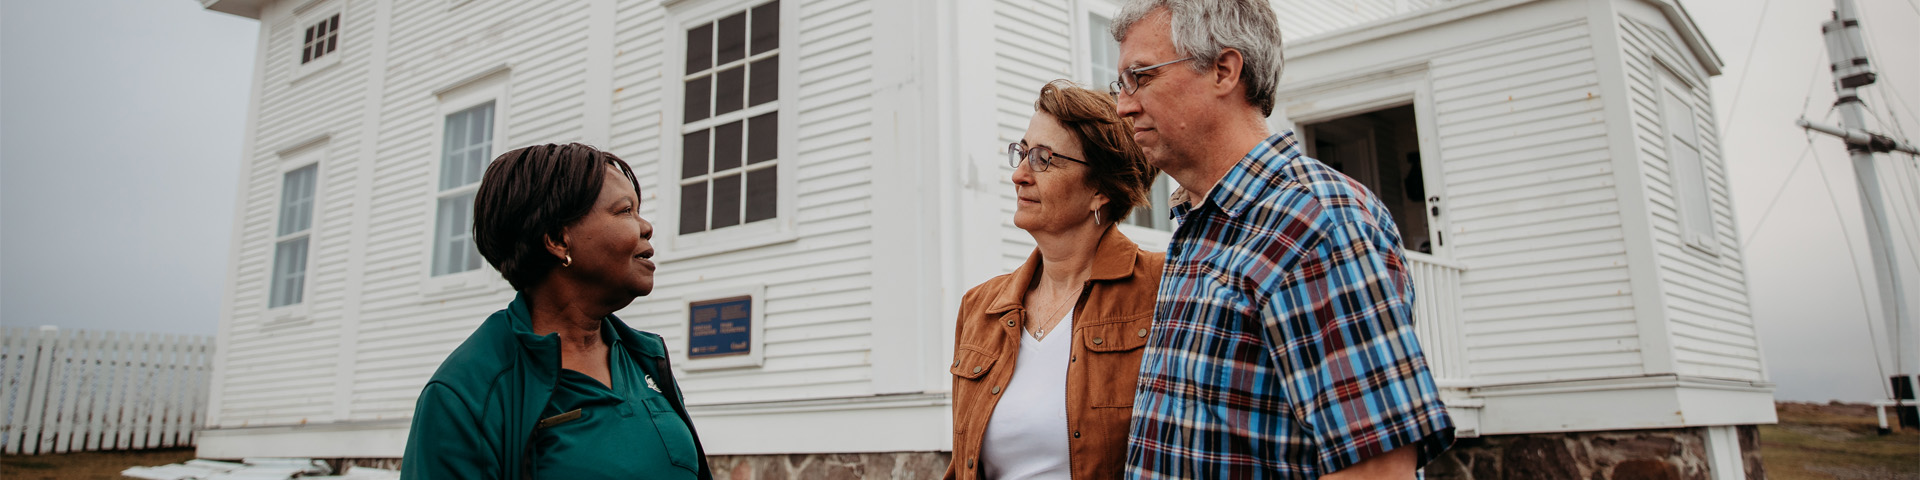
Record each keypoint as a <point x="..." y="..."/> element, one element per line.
<point x="242" y="8"/>
<point x="1690" y="33"/>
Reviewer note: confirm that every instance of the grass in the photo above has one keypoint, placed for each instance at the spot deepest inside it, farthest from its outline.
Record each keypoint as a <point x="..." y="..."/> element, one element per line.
<point x="1836" y="442"/>
<point x="86" y="465"/>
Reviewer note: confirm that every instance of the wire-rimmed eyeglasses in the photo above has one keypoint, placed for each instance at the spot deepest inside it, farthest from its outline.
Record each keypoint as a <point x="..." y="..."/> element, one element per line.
<point x="1129" y="81"/>
<point x="1042" y="157"/>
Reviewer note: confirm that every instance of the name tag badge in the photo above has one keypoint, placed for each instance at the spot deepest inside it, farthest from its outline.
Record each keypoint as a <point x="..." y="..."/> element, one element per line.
<point x="558" y="419"/>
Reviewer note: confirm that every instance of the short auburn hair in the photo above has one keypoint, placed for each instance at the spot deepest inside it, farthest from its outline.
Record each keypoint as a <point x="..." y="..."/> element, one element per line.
<point x="531" y="193"/>
<point x="1118" y="169"/>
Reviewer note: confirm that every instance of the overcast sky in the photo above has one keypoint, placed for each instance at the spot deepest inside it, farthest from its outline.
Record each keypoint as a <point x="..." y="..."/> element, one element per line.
<point x="121" y="125"/>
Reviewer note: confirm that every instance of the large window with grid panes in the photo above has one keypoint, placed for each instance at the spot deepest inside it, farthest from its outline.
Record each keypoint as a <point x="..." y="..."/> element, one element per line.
<point x="1102" y="66"/>
<point x="729" y="133"/>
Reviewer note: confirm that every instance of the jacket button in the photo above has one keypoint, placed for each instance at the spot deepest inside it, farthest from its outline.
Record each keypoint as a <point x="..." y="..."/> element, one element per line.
<point x="1076" y="434"/>
<point x="956" y="362"/>
<point x="969" y="463"/>
<point x="1096" y="340"/>
<point x="976" y="369"/>
<point x="1142" y="333"/>
<point x="1009" y="322"/>
<point x="996" y="389"/>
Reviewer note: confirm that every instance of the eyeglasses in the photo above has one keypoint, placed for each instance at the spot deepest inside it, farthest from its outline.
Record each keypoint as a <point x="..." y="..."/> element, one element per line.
<point x="1042" y="157"/>
<point x="1129" y="81"/>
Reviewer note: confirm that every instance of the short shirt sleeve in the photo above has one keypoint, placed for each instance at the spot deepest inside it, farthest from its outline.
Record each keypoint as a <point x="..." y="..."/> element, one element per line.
<point x="1353" y="369"/>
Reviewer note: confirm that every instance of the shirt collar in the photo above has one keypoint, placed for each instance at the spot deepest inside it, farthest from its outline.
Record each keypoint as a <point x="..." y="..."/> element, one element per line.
<point x="1113" y="259"/>
<point x="1251" y="178"/>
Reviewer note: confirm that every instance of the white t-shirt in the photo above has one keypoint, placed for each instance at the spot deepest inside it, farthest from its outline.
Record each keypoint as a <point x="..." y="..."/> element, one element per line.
<point x="1027" y="436"/>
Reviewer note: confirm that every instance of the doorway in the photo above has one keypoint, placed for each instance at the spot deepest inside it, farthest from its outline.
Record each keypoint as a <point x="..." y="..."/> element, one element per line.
<point x="1381" y="150"/>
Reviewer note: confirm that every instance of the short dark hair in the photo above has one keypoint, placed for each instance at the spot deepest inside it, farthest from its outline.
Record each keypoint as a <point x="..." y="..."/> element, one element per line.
<point x="1118" y="169"/>
<point x="531" y="193"/>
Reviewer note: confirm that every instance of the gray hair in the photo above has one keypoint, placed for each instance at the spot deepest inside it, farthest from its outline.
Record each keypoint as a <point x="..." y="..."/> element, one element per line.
<point x="1204" y="28"/>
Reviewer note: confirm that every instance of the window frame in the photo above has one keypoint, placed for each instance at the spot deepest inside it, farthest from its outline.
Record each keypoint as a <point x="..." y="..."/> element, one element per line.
<point x="1084" y="66"/>
<point x="1672" y="85"/>
<point x="296" y="309"/>
<point x="685" y="16"/>
<point x="1083" y="41"/>
<point x="306" y="17"/>
<point x="491" y="85"/>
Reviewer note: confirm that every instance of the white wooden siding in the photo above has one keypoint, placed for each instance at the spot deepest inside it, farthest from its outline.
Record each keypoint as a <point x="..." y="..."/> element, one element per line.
<point x="275" y="358"/>
<point x="1705" y="293"/>
<point x="1533" y="209"/>
<point x="818" y="312"/>
<point x="1306" y="18"/>
<point x="1032" y="45"/>
<point x="407" y="328"/>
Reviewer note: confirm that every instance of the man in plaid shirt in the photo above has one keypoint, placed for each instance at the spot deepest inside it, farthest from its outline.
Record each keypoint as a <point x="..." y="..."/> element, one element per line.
<point x="1283" y="344"/>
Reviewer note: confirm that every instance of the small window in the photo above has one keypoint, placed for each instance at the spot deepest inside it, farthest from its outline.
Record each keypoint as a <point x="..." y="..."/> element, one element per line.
<point x="466" y="148"/>
<point x="1690" y="191"/>
<point x="290" y="247"/>
<point x="322" y="37"/>
<point x="730" y="129"/>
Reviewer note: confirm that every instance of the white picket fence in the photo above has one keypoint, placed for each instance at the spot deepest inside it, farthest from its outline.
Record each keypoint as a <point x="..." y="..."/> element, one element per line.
<point x="79" y="390"/>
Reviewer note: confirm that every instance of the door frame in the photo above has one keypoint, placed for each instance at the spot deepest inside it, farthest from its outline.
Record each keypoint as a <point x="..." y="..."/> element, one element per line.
<point x="1305" y="103"/>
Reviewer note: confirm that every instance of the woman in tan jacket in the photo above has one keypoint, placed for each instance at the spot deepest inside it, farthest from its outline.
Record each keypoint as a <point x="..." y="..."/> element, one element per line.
<point x="1046" y="358"/>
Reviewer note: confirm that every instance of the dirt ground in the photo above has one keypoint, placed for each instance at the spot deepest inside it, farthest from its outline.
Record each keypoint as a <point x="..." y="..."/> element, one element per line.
<point x="86" y="465"/>
<point x="1839" y="442"/>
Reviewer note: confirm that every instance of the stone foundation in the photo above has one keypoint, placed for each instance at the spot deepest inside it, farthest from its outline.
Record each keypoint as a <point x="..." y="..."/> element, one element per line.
<point x="1661" y="454"/>
<point x="1664" y="454"/>
<point x="866" y="466"/>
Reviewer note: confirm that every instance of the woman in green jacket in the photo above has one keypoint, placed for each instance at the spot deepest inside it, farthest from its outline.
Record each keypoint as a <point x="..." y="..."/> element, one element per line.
<point x="555" y="386"/>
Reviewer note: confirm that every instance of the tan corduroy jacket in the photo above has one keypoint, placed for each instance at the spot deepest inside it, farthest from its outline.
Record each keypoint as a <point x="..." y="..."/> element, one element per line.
<point x="1110" y="326"/>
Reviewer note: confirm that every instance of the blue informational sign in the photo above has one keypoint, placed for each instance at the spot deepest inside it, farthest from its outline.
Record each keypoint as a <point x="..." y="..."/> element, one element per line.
<point x="720" y="328"/>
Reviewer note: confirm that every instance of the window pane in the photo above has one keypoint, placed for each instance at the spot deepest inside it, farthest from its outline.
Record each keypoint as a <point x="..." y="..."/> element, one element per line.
<point x="697" y="98"/>
<point x="765" y="78"/>
<point x="763" y="194"/>
<point x="727" y="96"/>
<point x="289" y="272"/>
<point x="726" y="201"/>
<point x="453" y="243"/>
<point x="693" y="208"/>
<point x="1103" y="53"/>
<point x="763" y="137"/>
<point x="726" y="147"/>
<point x="699" y="49"/>
<point x="310" y="33"/>
<point x="693" y="154"/>
<point x="468" y="146"/>
<point x="733" y="38"/>
<point x="451" y="154"/>
<point x="306" y="55"/>
<point x="330" y="41"/>
<point x="766" y="27"/>
<point x="296" y="200"/>
<point x="333" y="24"/>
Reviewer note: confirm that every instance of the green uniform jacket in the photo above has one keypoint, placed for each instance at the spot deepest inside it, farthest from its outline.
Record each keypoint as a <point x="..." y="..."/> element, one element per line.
<point x="476" y="416"/>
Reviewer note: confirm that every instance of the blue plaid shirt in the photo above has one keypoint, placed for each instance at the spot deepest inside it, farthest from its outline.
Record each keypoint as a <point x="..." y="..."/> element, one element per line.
<point x="1283" y="342"/>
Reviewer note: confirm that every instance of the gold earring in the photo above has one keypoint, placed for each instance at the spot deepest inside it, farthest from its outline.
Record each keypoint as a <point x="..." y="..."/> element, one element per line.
<point x="568" y="262"/>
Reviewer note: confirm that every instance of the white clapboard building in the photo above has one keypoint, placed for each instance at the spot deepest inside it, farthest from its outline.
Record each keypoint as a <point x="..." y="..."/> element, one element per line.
<point x="835" y="168"/>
